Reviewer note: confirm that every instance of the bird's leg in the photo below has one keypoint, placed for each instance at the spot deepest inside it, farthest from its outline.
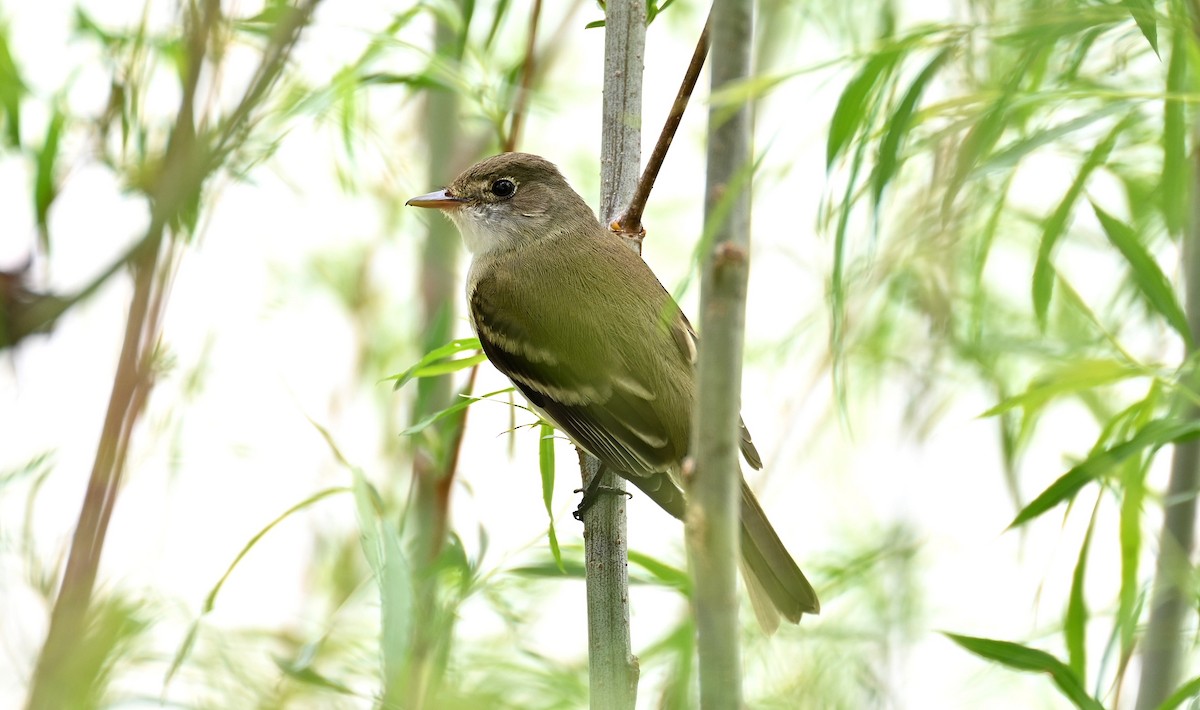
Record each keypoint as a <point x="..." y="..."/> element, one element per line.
<point x="593" y="492"/>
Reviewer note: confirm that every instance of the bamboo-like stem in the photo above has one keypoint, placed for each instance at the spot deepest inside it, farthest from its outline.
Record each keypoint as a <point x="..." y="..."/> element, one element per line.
<point x="629" y="224"/>
<point x="1162" y="646"/>
<point x="713" y="486"/>
<point x="612" y="667"/>
<point x="434" y="455"/>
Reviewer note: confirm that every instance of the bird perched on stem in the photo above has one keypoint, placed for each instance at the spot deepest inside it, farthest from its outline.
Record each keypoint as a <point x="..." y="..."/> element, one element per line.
<point x="584" y="329"/>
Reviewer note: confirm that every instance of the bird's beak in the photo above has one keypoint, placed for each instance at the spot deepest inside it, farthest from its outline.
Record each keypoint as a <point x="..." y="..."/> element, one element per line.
<point x="439" y="199"/>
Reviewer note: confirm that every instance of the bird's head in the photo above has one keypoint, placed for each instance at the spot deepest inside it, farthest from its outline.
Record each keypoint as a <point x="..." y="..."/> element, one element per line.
<point x="504" y="201"/>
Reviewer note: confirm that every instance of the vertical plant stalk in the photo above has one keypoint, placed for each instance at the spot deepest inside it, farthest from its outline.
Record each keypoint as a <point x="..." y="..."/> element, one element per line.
<point x="1171" y="596"/>
<point x="56" y="676"/>
<point x="713" y="486"/>
<point x="188" y="161"/>
<point x="435" y="454"/>
<point x="612" y="668"/>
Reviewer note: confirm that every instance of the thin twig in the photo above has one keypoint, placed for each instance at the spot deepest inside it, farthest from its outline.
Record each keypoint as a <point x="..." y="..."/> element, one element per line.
<point x="522" y="103"/>
<point x="455" y="447"/>
<point x="630" y="222"/>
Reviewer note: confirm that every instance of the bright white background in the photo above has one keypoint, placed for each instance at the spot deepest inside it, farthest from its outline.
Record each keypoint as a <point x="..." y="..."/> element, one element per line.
<point x="211" y="466"/>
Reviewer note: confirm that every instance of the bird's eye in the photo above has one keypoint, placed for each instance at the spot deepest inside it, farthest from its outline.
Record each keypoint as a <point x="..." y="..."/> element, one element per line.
<point x="504" y="188"/>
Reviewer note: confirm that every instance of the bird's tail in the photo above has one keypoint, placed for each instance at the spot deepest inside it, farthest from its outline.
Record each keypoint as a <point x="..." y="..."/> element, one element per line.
<point x="774" y="580"/>
<point x="776" y="584"/>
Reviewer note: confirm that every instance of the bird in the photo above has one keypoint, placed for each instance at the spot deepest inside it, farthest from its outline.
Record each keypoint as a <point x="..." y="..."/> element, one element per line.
<point x="584" y="329"/>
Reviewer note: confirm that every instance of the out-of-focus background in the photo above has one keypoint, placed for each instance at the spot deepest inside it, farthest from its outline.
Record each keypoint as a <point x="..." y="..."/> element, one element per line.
<point x="940" y="326"/>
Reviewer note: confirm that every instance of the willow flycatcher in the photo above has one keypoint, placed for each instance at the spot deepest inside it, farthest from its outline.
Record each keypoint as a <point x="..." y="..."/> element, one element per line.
<point x="584" y="329"/>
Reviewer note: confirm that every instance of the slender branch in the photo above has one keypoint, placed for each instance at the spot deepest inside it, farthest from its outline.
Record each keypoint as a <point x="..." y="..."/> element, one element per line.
<point x="629" y="224"/>
<point x="54" y="684"/>
<point x="612" y="668"/>
<point x="185" y="167"/>
<point x="527" y="70"/>
<point x="714" y="499"/>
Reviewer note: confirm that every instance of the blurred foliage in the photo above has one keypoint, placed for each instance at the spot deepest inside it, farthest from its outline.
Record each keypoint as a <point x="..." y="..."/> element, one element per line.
<point x="942" y="272"/>
<point x="931" y="137"/>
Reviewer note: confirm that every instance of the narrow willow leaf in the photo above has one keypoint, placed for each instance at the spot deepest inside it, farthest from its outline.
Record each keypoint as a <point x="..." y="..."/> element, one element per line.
<point x="1023" y="658"/>
<point x="210" y="600"/>
<point x="668" y="575"/>
<point x="546" y="467"/>
<point x="184" y="650"/>
<point x="45" y="187"/>
<point x="1143" y="15"/>
<point x="1066" y="379"/>
<point x="497" y="18"/>
<point x="1185" y="692"/>
<point x="441" y="357"/>
<point x="452" y="409"/>
<point x="381" y="546"/>
<point x="305" y="673"/>
<point x="1008" y="156"/>
<point x="445" y="367"/>
<point x="851" y="111"/>
<point x="1150" y="279"/>
<point x="1133" y="495"/>
<point x="1153" y="435"/>
<point x="983" y="136"/>
<point x="12" y="89"/>
<point x="887" y="162"/>
<point x="1175" y="178"/>
<point x="571" y="566"/>
<point x="1043" y="270"/>
<point x="1075" y="623"/>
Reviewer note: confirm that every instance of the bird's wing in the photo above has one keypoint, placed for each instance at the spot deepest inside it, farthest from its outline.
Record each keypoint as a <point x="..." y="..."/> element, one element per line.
<point x="573" y="376"/>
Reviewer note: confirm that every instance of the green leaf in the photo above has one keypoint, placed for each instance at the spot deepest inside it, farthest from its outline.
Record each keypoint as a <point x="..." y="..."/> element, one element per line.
<point x="45" y="187"/>
<point x="210" y="600"/>
<point x="441" y="361"/>
<point x="668" y="575"/>
<point x="381" y="546"/>
<point x="851" y="110"/>
<point x="571" y="566"/>
<point x="1132" y="498"/>
<point x="1153" y="435"/>
<point x="1150" y="279"/>
<point x="1175" y="170"/>
<point x="1143" y="15"/>
<point x="888" y="161"/>
<point x="546" y="467"/>
<point x="1043" y="270"/>
<point x="1008" y="156"/>
<point x="305" y="673"/>
<point x="1066" y="379"/>
<point x="1023" y="658"/>
<point x="12" y="90"/>
<point x="1075" y="623"/>
<point x="501" y="9"/>
<point x="1187" y="691"/>
<point x="452" y="409"/>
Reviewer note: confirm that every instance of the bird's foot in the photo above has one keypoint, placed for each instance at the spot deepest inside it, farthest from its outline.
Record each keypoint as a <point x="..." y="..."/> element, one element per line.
<point x="593" y="492"/>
